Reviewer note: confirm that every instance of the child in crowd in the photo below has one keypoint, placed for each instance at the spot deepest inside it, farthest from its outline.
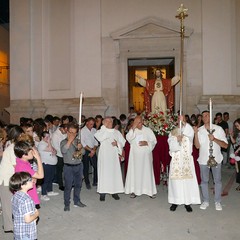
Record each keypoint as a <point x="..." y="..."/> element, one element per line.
<point x="124" y="121"/>
<point x="23" y="208"/>
<point x="25" y="152"/>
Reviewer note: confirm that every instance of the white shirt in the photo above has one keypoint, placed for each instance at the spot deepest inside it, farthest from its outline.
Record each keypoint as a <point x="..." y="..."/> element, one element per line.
<point x="57" y="137"/>
<point x="87" y="137"/>
<point x="204" y="144"/>
<point x="7" y="165"/>
<point x="46" y="156"/>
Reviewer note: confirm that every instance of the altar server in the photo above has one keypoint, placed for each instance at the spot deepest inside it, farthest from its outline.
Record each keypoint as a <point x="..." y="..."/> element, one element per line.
<point x="140" y="177"/>
<point x="183" y="187"/>
<point x="109" y="170"/>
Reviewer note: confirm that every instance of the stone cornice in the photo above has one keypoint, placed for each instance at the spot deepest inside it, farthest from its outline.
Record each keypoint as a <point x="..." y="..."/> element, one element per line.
<point x="151" y="27"/>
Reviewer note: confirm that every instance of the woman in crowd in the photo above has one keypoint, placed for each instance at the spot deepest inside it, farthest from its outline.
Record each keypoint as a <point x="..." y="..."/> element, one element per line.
<point x="6" y="171"/>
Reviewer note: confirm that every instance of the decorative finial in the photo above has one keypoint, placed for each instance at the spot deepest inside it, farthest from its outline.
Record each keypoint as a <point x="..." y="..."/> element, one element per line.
<point x="182" y="12"/>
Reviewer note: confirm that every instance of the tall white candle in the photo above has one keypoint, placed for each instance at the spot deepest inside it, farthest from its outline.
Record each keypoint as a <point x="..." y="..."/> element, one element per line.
<point x="210" y="112"/>
<point x="80" y="109"/>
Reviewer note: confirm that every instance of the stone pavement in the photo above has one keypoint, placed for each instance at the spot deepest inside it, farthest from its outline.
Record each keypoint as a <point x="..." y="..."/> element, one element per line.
<point x="140" y="218"/>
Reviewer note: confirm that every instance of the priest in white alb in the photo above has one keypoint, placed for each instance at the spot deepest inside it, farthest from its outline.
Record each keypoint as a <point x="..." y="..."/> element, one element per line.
<point x="140" y="177"/>
<point x="109" y="169"/>
<point x="183" y="187"/>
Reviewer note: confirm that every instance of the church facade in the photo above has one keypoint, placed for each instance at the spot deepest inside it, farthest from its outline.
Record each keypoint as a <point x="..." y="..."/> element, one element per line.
<point x="60" y="48"/>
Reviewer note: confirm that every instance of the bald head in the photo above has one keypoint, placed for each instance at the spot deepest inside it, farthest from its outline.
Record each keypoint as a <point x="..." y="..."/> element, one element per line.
<point x="138" y="122"/>
<point x="107" y="122"/>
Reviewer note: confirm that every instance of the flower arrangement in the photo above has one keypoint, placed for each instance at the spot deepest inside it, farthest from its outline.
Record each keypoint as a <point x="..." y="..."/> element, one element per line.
<point x="161" y="124"/>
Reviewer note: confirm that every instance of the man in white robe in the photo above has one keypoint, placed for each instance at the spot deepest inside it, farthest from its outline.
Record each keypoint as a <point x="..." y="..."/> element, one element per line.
<point x="109" y="169"/>
<point x="183" y="187"/>
<point x="140" y="177"/>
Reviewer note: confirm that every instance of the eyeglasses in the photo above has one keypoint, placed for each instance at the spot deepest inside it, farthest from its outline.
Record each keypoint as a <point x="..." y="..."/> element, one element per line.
<point x="28" y="180"/>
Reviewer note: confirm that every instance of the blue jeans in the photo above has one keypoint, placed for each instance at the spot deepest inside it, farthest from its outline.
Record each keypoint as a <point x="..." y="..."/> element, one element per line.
<point x="73" y="177"/>
<point x="93" y="161"/>
<point x="216" y="171"/>
<point x="49" y="171"/>
<point x="59" y="171"/>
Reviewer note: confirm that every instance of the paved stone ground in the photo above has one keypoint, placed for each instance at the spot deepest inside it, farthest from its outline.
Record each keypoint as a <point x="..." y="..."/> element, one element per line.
<point x="140" y="218"/>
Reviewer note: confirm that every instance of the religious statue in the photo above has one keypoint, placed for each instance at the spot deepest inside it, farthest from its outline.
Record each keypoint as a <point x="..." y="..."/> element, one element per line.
<point x="158" y="92"/>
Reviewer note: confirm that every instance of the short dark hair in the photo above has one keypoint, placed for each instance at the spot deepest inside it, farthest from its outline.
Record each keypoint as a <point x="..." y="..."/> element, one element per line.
<point x="56" y="118"/>
<point x="48" y="118"/>
<point x="22" y="148"/>
<point x="99" y="116"/>
<point x="64" y="117"/>
<point x="44" y="133"/>
<point x="122" y="117"/>
<point x="226" y="113"/>
<point x="205" y="111"/>
<point x="90" y="119"/>
<point x="70" y="118"/>
<point x="17" y="180"/>
<point x="218" y="114"/>
<point x="72" y="125"/>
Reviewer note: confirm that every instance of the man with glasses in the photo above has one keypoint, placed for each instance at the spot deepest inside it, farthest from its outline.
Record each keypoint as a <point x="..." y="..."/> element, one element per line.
<point x="72" y="152"/>
<point x="90" y="145"/>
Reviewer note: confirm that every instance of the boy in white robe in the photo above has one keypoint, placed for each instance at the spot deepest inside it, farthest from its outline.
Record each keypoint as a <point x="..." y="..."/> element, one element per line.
<point x="183" y="187"/>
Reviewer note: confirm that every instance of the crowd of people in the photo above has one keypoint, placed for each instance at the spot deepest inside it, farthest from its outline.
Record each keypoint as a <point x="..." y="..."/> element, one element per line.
<point x="37" y="153"/>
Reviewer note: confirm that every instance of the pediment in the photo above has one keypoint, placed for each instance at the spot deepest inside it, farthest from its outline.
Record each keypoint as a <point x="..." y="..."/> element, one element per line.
<point x="151" y="28"/>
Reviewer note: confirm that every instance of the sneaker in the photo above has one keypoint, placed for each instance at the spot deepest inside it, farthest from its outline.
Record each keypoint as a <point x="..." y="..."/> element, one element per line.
<point x="218" y="206"/>
<point x="66" y="208"/>
<point x="45" y="198"/>
<point x="79" y="204"/>
<point x="39" y="189"/>
<point x="52" y="193"/>
<point x="204" y="205"/>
